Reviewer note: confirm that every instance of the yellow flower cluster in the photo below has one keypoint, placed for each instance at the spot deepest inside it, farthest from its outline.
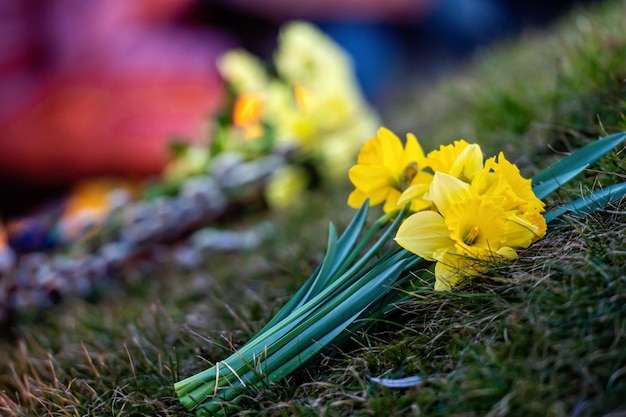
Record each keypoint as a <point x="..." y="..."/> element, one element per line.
<point x="314" y="103"/>
<point x="466" y="211"/>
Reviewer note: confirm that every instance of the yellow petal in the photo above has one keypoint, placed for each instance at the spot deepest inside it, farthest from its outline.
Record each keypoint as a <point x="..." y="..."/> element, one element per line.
<point x="424" y="233"/>
<point x="391" y="201"/>
<point x="370" y="153"/>
<point x="413" y="192"/>
<point x="538" y="220"/>
<point x="469" y="162"/>
<point x="358" y="197"/>
<point x="446" y="190"/>
<point x="443" y="158"/>
<point x="391" y="147"/>
<point x="413" y="151"/>
<point x="420" y="204"/>
<point x="520" y="233"/>
<point x="367" y="178"/>
<point x="452" y="267"/>
<point x="521" y="186"/>
<point x="243" y="71"/>
<point x="507" y="252"/>
<point x="445" y="277"/>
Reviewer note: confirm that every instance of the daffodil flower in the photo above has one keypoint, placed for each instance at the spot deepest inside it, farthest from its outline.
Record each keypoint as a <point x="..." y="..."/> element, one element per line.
<point x="470" y="227"/>
<point x="502" y="177"/>
<point x="472" y="214"/>
<point x="243" y="71"/>
<point x="459" y="159"/>
<point x="310" y="101"/>
<point x="285" y="187"/>
<point x="385" y="169"/>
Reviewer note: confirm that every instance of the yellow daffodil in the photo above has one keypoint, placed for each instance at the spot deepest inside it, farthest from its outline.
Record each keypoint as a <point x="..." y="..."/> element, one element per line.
<point x="243" y="71"/>
<point x="385" y="169"/>
<point x="313" y="104"/>
<point x="459" y="159"/>
<point x="468" y="228"/>
<point x="285" y="187"/>
<point x="187" y="162"/>
<point x="507" y="180"/>
<point x="307" y="57"/>
<point x="502" y="179"/>
<point x="327" y="106"/>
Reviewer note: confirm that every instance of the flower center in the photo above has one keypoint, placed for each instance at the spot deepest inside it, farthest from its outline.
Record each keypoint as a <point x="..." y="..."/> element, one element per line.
<point x="470" y="236"/>
<point x="410" y="171"/>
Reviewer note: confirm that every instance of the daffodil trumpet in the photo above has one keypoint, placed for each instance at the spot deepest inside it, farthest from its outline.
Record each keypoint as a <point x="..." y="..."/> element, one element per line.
<point x="364" y="273"/>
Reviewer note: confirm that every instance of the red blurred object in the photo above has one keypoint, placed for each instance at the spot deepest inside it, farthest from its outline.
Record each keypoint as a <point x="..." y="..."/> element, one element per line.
<point x="94" y="88"/>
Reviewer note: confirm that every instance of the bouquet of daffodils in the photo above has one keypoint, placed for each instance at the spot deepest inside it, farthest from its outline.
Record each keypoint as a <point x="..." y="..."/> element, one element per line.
<point x="303" y="109"/>
<point x="448" y="211"/>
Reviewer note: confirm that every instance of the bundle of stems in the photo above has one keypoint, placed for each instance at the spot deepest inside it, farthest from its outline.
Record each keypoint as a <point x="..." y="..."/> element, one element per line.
<point x="341" y="290"/>
<point x="363" y="274"/>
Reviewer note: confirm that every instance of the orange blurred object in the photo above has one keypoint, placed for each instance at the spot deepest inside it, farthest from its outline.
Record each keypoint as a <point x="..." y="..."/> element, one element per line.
<point x="248" y="113"/>
<point x="306" y="99"/>
<point x="91" y="201"/>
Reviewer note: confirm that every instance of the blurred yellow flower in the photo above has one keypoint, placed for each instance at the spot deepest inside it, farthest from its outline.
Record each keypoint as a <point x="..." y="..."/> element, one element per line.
<point x="329" y="110"/>
<point x="243" y="71"/>
<point x="313" y="104"/>
<point x="285" y="187"/>
<point x="189" y="161"/>
<point x="385" y="168"/>
<point x="306" y="57"/>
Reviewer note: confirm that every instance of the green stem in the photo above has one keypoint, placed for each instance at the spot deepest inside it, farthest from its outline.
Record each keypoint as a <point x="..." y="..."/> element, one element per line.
<point x="198" y="387"/>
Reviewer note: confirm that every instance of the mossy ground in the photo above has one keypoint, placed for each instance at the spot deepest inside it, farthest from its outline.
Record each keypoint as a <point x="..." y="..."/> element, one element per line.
<point x="543" y="336"/>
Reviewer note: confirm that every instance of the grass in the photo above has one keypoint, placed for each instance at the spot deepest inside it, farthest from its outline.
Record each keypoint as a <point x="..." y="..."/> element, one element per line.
<point x="543" y="336"/>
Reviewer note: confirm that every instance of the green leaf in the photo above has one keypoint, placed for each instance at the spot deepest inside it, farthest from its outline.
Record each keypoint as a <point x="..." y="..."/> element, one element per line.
<point x="293" y="341"/>
<point x="345" y="244"/>
<point x="378" y="243"/>
<point x="320" y="329"/>
<point x="324" y="275"/>
<point x="554" y="176"/>
<point x="590" y="203"/>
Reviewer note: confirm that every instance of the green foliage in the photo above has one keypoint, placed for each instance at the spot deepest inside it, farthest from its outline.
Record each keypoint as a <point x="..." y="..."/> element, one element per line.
<point x="556" y="175"/>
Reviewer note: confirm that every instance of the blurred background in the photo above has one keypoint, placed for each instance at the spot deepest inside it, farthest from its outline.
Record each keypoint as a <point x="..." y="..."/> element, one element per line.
<point x="100" y="88"/>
